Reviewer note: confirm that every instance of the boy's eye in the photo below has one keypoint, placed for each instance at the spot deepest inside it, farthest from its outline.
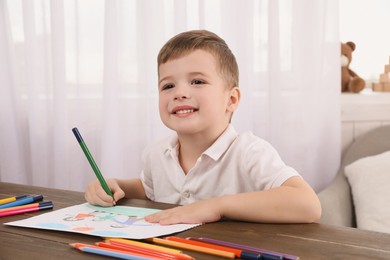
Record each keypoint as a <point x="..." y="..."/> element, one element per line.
<point x="197" y="82"/>
<point x="167" y="86"/>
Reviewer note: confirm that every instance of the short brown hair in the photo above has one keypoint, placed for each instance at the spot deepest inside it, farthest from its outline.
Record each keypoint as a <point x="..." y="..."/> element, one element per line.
<point x="186" y="42"/>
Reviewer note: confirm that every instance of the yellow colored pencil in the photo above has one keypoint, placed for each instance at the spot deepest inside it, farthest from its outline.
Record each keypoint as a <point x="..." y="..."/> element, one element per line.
<point x="200" y="249"/>
<point x="11" y="199"/>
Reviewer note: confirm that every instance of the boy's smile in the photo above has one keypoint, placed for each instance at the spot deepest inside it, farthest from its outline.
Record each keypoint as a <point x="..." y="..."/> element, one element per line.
<point x="183" y="110"/>
<point x="193" y="95"/>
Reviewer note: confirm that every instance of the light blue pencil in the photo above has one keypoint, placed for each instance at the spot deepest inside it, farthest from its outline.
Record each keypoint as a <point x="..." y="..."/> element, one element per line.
<point x="111" y="254"/>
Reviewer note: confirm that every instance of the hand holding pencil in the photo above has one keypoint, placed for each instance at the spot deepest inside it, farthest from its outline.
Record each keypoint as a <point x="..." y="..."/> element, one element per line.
<point x="96" y="195"/>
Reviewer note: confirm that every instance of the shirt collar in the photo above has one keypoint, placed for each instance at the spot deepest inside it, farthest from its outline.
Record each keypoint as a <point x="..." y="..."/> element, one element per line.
<point x="215" y="151"/>
<point x="219" y="147"/>
<point x="172" y="148"/>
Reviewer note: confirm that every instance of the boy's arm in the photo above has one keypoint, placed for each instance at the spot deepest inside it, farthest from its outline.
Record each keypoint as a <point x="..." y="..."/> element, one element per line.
<point x="133" y="188"/>
<point x="293" y="202"/>
<point x="96" y="195"/>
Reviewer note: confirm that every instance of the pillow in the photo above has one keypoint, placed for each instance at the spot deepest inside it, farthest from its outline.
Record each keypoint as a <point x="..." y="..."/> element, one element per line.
<point x="369" y="178"/>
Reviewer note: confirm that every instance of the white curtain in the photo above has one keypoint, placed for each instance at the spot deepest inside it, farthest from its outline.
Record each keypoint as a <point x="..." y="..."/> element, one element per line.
<point x="91" y="64"/>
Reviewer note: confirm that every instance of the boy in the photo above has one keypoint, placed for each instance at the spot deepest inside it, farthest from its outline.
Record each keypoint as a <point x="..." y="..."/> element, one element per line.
<point x="207" y="167"/>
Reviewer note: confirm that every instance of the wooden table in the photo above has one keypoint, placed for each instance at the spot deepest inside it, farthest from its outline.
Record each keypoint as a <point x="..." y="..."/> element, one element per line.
<point x="308" y="241"/>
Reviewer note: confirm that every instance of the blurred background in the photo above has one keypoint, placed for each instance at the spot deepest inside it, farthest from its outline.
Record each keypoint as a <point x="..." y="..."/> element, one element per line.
<point x="92" y="64"/>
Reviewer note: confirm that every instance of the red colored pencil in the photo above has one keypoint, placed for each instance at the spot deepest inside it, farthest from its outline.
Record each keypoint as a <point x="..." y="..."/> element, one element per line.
<point x="40" y="206"/>
<point x="21" y="207"/>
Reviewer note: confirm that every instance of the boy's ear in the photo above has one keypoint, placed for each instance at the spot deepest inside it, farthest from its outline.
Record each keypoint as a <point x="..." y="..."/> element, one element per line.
<point x="234" y="99"/>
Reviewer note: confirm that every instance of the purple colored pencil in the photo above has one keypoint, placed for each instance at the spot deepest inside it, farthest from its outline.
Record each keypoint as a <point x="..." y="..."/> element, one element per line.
<point x="243" y="247"/>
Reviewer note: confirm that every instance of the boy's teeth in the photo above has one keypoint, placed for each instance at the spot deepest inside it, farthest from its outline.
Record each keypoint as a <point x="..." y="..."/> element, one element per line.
<point x="184" y="111"/>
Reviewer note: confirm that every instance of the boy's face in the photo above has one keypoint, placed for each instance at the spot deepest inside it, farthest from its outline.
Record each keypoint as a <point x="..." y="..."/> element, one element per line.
<point x="193" y="96"/>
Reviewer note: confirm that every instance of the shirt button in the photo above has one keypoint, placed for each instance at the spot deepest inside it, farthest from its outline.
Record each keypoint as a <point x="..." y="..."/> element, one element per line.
<point x="186" y="194"/>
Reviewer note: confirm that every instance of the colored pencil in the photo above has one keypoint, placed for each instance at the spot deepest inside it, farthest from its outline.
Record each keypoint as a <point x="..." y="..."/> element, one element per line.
<point x="23" y="201"/>
<point x="31" y="205"/>
<point x="244" y="247"/>
<point x="237" y="252"/>
<point x="147" y="252"/>
<point x="92" y="162"/>
<point x="187" y="246"/>
<point x="109" y="252"/>
<point x="44" y="205"/>
<point x="142" y="244"/>
<point x="10" y="199"/>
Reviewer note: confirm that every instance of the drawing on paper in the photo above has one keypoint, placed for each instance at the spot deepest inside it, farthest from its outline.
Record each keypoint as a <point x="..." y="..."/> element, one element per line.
<point x="118" y="221"/>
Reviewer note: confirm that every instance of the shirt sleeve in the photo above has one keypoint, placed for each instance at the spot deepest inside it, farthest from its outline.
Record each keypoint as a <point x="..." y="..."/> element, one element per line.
<point x="265" y="166"/>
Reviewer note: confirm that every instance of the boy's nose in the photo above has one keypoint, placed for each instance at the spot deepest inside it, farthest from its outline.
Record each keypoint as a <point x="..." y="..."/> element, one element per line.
<point x="180" y="97"/>
<point x="181" y="93"/>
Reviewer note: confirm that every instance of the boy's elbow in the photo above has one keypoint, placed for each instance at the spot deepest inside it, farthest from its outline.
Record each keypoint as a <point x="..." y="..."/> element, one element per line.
<point x="313" y="211"/>
<point x="315" y="216"/>
<point x="306" y="204"/>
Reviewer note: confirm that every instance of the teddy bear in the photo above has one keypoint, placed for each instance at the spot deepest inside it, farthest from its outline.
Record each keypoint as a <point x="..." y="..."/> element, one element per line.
<point x="350" y="81"/>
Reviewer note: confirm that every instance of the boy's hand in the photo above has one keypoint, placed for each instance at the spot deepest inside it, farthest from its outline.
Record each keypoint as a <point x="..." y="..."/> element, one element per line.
<point x="96" y="195"/>
<point x="198" y="212"/>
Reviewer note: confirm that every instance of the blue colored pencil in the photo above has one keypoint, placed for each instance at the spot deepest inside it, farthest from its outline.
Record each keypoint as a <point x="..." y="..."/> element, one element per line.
<point x="107" y="252"/>
<point x="22" y="201"/>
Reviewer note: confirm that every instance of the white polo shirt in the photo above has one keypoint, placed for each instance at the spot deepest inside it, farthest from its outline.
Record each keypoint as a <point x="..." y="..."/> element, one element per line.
<point x="233" y="164"/>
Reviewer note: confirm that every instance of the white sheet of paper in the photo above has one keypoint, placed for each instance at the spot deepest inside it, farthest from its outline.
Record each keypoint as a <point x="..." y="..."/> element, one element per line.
<point x="118" y="221"/>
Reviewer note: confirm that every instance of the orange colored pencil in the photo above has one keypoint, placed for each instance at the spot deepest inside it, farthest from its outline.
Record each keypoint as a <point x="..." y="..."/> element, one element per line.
<point x="40" y="206"/>
<point x="195" y="248"/>
<point x="32" y="205"/>
<point x="237" y="252"/>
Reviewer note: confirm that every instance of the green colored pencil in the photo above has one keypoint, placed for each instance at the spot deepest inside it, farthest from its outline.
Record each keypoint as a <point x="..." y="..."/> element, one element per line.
<point x="92" y="162"/>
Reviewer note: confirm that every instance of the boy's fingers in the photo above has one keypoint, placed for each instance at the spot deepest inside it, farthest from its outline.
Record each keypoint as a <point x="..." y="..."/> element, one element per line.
<point x="101" y="194"/>
<point x="96" y="195"/>
<point x="118" y="195"/>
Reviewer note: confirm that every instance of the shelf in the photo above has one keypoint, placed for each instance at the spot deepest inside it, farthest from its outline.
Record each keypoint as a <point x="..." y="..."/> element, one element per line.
<point x="365" y="106"/>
